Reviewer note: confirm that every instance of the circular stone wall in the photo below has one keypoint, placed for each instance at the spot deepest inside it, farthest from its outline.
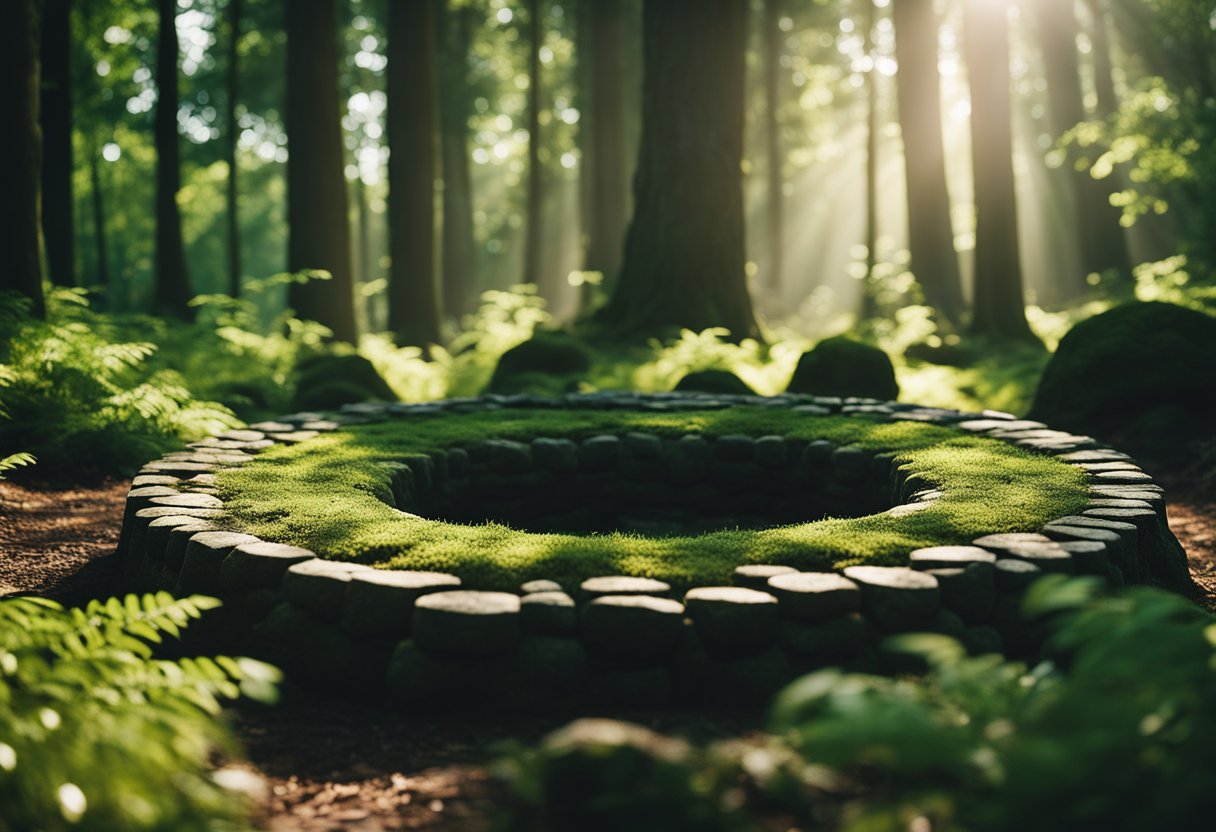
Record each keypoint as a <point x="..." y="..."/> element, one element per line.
<point x="642" y="549"/>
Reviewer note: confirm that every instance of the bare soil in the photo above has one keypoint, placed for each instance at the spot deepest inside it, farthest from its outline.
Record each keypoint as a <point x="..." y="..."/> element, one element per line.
<point x="327" y="765"/>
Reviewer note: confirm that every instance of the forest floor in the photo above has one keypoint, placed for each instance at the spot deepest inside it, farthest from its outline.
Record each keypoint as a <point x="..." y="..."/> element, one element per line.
<point x="327" y="765"/>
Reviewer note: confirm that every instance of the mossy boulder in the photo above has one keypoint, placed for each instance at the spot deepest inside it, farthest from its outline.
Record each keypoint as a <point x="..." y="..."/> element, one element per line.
<point x="843" y="367"/>
<point x="1146" y="371"/>
<point x="721" y="382"/>
<point x="548" y="362"/>
<point x="330" y="381"/>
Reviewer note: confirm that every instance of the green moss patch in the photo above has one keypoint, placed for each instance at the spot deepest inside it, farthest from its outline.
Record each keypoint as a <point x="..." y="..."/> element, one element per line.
<point x="334" y="495"/>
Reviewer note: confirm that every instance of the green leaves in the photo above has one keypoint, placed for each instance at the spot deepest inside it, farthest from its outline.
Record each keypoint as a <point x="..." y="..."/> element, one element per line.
<point x="98" y="733"/>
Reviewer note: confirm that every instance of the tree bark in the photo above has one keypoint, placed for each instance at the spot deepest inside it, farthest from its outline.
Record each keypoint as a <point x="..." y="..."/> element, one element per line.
<point x="1104" y="79"/>
<point x="1103" y="245"/>
<point x="21" y="156"/>
<point x="533" y="233"/>
<point x="58" y="226"/>
<point x="869" y="303"/>
<point x="102" y="278"/>
<point x="317" y="203"/>
<point x="230" y="147"/>
<point x="930" y="233"/>
<point x="774" y="279"/>
<point x="683" y="263"/>
<point x="999" y="307"/>
<point x="413" y="308"/>
<point x="455" y="106"/>
<point x="172" y="293"/>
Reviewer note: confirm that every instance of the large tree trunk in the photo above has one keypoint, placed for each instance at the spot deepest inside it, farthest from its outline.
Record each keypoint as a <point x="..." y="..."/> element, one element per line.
<point x="532" y="225"/>
<point x="413" y="309"/>
<point x="684" y="251"/>
<point x="172" y="295"/>
<point x="1103" y="245"/>
<point x="317" y="212"/>
<point x="609" y="192"/>
<point x="999" y="308"/>
<point x="455" y="106"/>
<point x="57" y="165"/>
<point x="869" y="301"/>
<point x="774" y="278"/>
<point x="930" y="235"/>
<point x="1104" y="79"/>
<point x="230" y="146"/>
<point x="21" y="156"/>
<point x="102" y="276"/>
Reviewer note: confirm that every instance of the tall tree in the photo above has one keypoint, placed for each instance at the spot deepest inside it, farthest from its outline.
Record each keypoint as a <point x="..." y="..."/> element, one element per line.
<point x="317" y="206"/>
<point x="608" y="201"/>
<point x="533" y="234"/>
<point x="58" y="227"/>
<point x="684" y="251"/>
<point x="413" y="307"/>
<point x="1104" y="79"/>
<point x="455" y="108"/>
<point x="21" y="155"/>
<point x="172" y="295"/>
<point x="999" y="309"/>
<point x="1103" y="245"/>
<point x="773" y="40"/>
<point x="97" y="205"/>
<point x="230" y="144"/>
<point x="930" y="234"/>
<point x="869" y="301"/>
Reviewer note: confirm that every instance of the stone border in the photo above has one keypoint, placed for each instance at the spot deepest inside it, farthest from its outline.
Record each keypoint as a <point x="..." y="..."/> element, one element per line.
<point x="425" y="640"/>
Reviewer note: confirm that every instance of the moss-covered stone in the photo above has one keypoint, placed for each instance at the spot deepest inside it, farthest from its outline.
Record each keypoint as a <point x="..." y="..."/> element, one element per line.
<point x="540" y="360"/>
<point x="1145" y="371"/>
<point x="721" y="382"/>
<point x="843" y="367"/>
<point x="328" y="381"/>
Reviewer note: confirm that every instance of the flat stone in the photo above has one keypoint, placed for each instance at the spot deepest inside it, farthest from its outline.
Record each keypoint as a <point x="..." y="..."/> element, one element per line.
<point x="555" y="454"/>
<point x="634" y="629"/>
<point x="1048" y="556"/>
<point x="896" y="597"/>
<point x="550" y="612"/>
<point x="772" y="451"/>
<point x="318" y="586"/>
<point x="458" y="462"/>
<point x="1144" y="519"/>
<point x="179" y="538"/>
<point x="189" y="501"/>
<point x="541" y="585"/>
<point x="1014" y="574"/>
<point x="145" y="480"/>
<point x="466" y="623"/>
<point x="156" y="538"/>
<point x="260" y="565"/>
<point x="851" y="464"/>
<point x="600" y="453"/>
<point x="986" y="425"/>
<point x="1122" y="478"/>
<point x="815" y="596"/>
<point x="1104" y="467"/>
<point x="733" y="620"/>
<point x="756" y="575"/>
<point x="508" y="456"/>
<point x="734" y="448"/>
<point x="204" y="556"/>
<point x="969" y="591"/>
<point x="946" y="557"/>
<point x="832" y="640"/>
<point x="380" y="602"/>
<point x="623" y="585"/>
<point x="1095" y="455"/>
<point x="643" y="445"/>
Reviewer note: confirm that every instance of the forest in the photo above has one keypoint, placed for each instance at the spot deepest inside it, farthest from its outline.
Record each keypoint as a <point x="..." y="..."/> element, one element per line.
<point x="590" y="414"/>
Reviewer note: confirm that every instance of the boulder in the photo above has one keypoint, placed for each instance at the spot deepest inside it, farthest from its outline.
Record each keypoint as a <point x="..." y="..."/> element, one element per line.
<point x="843" y="367"/>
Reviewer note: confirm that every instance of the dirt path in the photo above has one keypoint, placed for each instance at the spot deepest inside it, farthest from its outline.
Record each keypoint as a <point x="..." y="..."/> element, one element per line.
<point x="328" y="765"/>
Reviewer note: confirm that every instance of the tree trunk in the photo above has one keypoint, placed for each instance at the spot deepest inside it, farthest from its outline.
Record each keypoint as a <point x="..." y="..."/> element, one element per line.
<point x="455" y="37"/>
<point x="930" y="234"/>
<point x="102" y="278"/>
<point x="317" y="205"/>
<point x="999" y="308"/>
<point x="413" y="309"/>
<point x="1104" y="79"/>
<point x="57" y="164"/>
<point x="869" y="302"/>
<point x="230" y="146"/>
<point x="532" y="225"/>
<point x="1103" y="245"/>
<point x="609" y="198"/>
<point x="21" y="156"/>
<point x="774" y="279"/>
<point x="684" y="251"/>
<point x="172" y="294"/>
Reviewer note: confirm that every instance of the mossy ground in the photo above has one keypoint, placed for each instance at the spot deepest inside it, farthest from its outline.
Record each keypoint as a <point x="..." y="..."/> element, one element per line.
<point x="329" y="495"/>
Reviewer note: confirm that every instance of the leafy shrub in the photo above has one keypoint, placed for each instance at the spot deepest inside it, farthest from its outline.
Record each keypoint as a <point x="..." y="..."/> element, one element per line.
<point x="1112" y="730"/>
<point x="97" y="734"/>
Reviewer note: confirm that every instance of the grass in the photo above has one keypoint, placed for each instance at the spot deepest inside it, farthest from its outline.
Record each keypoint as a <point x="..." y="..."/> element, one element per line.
<point x="329" y="495"/>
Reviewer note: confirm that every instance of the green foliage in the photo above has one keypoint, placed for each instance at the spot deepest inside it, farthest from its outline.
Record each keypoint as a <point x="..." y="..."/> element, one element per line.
<point x="96" y="733"/>
<point x="333" y="494"/>
<point x="843" y="367"/>
<point x="1113" y="729"/>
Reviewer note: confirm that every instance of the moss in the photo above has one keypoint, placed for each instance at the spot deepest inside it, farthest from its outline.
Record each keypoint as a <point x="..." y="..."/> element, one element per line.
<point x="339" y="379"/>
<point x="544" y="354"/>
<point x="329" y="495"/>
<point x="714" y="381"/>
<point x="1145" y="369"/>
<point x="843" y="367"/>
